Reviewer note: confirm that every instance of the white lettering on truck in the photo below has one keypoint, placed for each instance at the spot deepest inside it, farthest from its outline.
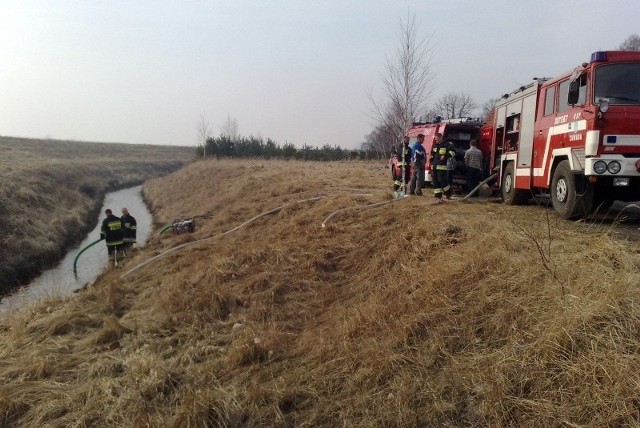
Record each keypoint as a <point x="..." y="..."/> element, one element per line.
<point x="561" y="119"/>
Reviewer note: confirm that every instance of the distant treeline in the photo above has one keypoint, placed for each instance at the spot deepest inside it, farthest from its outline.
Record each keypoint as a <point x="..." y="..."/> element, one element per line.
<point x="252" y="147"/>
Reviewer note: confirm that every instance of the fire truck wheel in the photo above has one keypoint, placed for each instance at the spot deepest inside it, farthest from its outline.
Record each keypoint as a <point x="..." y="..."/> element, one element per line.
<point x="510" y="194"/>
<point x="564" y="199"/>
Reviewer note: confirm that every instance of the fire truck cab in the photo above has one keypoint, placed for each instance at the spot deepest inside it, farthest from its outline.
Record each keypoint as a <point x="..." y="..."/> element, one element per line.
<point x="457" y="131"/>
<point x="575" y="137"/>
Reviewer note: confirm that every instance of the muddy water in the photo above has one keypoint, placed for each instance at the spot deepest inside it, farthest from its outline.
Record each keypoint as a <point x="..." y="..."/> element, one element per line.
<point x="60" y="281"/>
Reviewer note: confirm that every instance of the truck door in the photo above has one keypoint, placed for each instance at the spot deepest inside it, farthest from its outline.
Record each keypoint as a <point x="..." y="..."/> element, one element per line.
<point x="527" y="122"/>
<point x="546" y="116"/>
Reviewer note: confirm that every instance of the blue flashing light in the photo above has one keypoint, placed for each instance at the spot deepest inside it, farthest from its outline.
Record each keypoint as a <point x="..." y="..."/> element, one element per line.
<point x="612" y="139"/>
<point x="598" y="56"/>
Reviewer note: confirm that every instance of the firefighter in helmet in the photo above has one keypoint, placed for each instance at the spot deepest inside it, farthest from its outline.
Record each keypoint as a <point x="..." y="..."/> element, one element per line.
<point x="403" y="166"/>
<point x="113" y="233"/>
<point x="440" y="154"/>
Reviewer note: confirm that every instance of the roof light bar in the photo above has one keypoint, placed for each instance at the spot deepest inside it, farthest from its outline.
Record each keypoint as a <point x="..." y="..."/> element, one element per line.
<point x="598" y="56"/>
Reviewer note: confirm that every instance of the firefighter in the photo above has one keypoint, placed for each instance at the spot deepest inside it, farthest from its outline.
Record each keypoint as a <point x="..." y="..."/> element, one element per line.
<point x="419" y="161"/>
<point x="440" y="154"/>
<point x="113" y="233"/>
<point x="130" y="228"/>
<point x="451" y="164"/>
<point x="404" y="163"/>
<point x="395" y="174"/>
<point x="405" y="158"/>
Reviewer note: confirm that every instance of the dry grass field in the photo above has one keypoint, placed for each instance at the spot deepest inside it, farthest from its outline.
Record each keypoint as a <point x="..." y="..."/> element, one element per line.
<point x="51" y="191"/>
<point x="399" y="314"/>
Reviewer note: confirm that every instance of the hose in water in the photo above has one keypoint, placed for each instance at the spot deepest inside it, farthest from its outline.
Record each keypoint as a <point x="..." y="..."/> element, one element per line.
<point x="75" y="261"/>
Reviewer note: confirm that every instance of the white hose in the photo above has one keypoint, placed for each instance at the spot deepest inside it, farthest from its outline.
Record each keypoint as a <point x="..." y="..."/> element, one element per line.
<point x="360" y="207"/>
<point x="179" y="247"/>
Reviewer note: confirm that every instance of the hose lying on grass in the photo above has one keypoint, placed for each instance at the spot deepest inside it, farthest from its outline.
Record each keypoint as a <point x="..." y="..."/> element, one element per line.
<point x="364" y="207"/>
<point x="179" y="247"/>
<point x="358" y="208"/>
<point x="165" y="228"/>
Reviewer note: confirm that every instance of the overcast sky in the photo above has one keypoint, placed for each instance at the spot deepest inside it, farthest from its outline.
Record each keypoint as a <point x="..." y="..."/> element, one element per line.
<point x="299" y="71"/>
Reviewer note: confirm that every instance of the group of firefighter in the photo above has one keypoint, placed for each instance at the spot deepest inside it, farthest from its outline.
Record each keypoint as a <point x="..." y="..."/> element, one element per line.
<point x="119" y="233"/>
<point x="442" y="161"/>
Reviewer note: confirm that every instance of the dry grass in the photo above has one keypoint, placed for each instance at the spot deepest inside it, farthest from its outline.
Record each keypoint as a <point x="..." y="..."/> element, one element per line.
<point x="406" y="314"/>
<point x="51" y="192"/>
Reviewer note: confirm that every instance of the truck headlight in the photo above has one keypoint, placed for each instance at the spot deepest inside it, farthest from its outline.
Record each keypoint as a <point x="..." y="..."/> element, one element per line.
<point x="600" y="167"/>
<point x="614" y="167"/>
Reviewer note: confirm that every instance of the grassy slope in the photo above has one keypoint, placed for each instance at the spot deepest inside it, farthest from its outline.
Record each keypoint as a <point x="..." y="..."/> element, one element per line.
<point x="51" y="191"/>
<point x="407" y="314"/>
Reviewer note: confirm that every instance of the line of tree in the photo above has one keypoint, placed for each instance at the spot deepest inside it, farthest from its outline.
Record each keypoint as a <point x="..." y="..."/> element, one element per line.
<point x="256" y="147"/>
<point x="632" y="43"/>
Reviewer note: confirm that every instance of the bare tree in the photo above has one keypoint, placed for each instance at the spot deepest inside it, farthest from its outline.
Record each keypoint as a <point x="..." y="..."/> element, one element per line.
<point x="405" y="81"/>
<point x="487" y="107"/>
<point x="631" y="44"/>
<point x="379" y="140"/>
<point x="230" y="128"/>
<point x="456" y="104"/>
<point x="430" y="115"/>
<point x="203" y="131"/>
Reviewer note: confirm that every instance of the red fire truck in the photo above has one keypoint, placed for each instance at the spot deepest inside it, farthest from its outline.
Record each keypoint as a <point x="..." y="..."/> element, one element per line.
<point x="575" y="138"/>
<point x="457" y="131"/>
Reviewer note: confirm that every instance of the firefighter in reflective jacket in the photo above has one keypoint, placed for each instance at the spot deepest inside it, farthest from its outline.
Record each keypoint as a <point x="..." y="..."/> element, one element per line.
<point x="440" y="154"/>
<point x="130" y="229"/>
<point x="404" y="166"/>
<point x="112" y="232"/>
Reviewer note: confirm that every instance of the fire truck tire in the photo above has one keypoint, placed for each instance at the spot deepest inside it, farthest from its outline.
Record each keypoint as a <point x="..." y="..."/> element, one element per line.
<point x="510" y="194"/>
<point x="564" y="198"/>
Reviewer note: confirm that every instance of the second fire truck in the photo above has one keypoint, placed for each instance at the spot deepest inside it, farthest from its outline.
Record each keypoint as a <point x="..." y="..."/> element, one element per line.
<point x="459" y="132"/>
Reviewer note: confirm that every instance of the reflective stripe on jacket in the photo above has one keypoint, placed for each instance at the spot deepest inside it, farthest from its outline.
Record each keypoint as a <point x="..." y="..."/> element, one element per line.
<point x="112" y="230"/>
<point x="440" y="154"/>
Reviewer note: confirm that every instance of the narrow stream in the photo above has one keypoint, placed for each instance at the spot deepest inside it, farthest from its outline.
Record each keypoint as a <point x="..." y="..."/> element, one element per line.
<point x="60" y="281"/>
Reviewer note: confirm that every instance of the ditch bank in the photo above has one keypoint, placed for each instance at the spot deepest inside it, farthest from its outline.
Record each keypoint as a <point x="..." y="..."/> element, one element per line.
<point x="46" y="211"/>
<point x="60" y="281"/>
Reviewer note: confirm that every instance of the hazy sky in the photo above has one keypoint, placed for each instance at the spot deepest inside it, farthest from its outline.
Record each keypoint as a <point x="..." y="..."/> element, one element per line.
<point x="139" y="71"/>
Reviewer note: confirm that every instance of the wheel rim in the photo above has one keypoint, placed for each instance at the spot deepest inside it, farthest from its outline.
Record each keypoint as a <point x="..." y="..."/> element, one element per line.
<point x="561" y="190"/>
<point x="508" y="183"/>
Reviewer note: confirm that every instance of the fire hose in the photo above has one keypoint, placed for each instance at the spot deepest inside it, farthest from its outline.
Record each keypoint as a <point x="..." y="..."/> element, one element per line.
<point x="75" y="261"/>
<point x="179" y="247"/>
<point x="165" y="227"/>
<point x="362" y="207"/>
<point x="475" y="189"/>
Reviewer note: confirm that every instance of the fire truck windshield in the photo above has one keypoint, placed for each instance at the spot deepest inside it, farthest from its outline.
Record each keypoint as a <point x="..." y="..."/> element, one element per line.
<point x="619" y="84"/>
